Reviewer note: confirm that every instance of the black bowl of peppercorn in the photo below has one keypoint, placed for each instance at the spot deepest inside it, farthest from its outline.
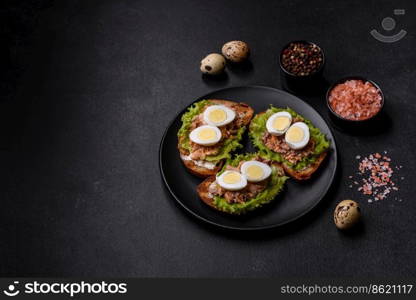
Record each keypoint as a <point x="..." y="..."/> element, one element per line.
<point x="302" y="64"/>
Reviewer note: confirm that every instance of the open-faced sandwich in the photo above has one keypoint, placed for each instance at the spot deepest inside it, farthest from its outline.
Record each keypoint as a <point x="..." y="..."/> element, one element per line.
<point x="244" y="183"/>
<point x="284" y="136"/>
<point x="211" y="130"/>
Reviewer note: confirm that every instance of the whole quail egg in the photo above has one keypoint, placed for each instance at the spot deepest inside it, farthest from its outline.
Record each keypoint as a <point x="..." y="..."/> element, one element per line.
<point x="236" y="51"/>
<point x="347" y="214"/>
<point x="213" y="64"/>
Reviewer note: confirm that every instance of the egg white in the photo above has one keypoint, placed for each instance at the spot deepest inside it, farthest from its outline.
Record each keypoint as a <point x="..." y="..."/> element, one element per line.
<point x="304" y="141"/>
<point x="272" y="118"/>
<point x="242" y="183"/>
<point x="267" y="171"/>
<point x="230" y="115"/>
<point x="193" y="136"/>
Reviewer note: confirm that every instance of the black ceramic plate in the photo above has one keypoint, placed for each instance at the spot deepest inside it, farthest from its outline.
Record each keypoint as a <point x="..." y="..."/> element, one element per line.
<point x="297" y="198"/>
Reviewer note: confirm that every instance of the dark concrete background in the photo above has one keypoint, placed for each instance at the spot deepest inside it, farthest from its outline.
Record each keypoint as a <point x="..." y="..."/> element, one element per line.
<point x="88" y="88"/>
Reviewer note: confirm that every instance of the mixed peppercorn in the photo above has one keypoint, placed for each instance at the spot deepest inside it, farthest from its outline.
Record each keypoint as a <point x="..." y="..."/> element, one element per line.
<point x="302" y="59"/>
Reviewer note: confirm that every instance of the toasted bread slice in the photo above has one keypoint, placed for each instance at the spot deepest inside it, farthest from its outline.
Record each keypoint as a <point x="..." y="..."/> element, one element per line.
<point x="204" y="194"/>
<point x="305" y="173"/>
<point x="202" y="171"/>
<point x="308" y="171"/>
<point x="241" y="109"/>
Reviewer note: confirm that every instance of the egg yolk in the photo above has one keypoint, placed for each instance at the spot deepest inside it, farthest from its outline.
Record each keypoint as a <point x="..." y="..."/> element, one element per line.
<point x="295" y="134"/>
<point x="280" y="123"/>
<point x="232" y="178"/>
<point x="217" y="115"/>
<point x="254" y="172"/>
<point x="207" y="134"/>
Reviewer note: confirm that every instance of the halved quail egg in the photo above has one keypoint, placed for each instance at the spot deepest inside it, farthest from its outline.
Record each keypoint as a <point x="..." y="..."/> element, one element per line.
<point x="297" y="136"/>
<point x="278" y="123"/>
<point x="255" y="171"/>
<point x="206" y="135"/>
<point x="232" y="181"/>
<point x="213" y="64"/>
<point x="219" y="115"/>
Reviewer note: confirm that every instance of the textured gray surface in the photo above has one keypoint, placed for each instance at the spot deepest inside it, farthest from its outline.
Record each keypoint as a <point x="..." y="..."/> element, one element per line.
<point x="94" y="84"/>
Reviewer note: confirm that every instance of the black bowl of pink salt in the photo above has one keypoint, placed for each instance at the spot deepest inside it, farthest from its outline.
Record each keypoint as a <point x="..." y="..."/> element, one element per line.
<point x="302" y="64"/>
<point x="354" y="101"/>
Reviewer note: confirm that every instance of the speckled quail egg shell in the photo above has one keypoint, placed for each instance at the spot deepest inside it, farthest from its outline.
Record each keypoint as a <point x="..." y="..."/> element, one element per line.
<point x="255" y="171"/>
<point x="297" y="136"/>
<point x="213" y="64"/>
<point x="347" y="214"/>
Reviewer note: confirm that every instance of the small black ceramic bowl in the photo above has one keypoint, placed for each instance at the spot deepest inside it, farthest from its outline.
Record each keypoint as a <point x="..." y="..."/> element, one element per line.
<point x="302" y="82"/>
<point x="349" y="123"/>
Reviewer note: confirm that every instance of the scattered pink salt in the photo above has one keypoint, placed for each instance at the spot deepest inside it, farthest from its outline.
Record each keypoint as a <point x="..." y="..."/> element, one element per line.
<point x="375" y="174"/>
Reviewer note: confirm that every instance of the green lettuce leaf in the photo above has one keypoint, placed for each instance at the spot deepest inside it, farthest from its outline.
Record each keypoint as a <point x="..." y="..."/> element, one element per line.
<point x="229" y="144"/>
<point x="275" y="185"/>
<point x="258" y="127"/>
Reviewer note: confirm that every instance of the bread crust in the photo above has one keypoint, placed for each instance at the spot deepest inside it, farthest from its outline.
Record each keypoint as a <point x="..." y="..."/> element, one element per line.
<point x="203" y="193"/>
<point x="307" y="172"/>
<point x="205" y="172"/>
